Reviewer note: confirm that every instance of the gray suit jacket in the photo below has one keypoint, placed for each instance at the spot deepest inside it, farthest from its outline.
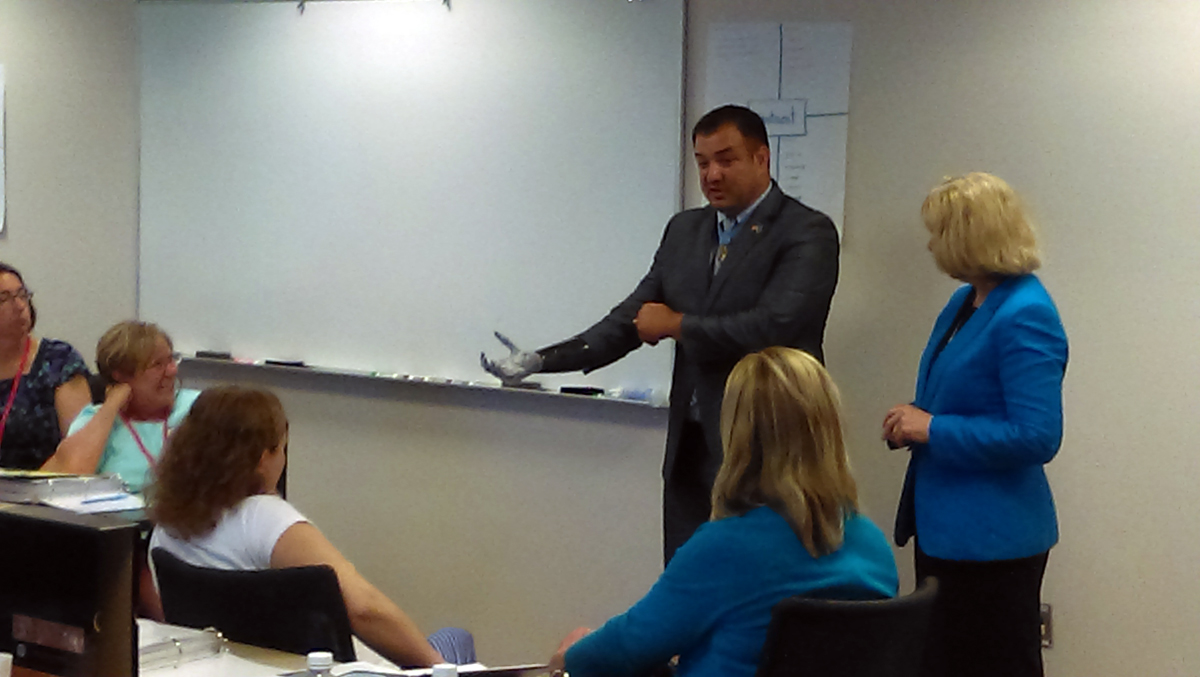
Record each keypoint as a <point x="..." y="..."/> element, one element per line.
<point x="773" y="288"/>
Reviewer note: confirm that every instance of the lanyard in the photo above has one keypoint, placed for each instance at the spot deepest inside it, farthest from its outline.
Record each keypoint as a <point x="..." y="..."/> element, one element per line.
<point x="138" y="438"/>
<point x="12" y="394"/>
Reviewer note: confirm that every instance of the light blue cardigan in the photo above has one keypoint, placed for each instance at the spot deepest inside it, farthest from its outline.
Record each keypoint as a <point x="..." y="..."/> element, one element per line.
<point x="977" y="491"/>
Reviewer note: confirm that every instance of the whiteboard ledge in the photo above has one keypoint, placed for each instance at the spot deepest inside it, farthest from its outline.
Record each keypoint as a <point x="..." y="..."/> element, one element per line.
<point x="187" y="364"/>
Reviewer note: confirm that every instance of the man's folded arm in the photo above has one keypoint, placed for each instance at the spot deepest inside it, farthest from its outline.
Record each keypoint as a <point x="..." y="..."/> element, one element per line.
<point x="794" y="300"/>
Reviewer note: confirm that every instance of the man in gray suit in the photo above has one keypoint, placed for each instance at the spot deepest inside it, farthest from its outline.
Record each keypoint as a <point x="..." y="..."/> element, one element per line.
<point x="754" y="268"/>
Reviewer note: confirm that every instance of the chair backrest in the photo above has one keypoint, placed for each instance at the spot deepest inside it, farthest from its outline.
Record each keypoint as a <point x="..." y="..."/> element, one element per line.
<point x="97" y="387"/>
<point x="840" y="638"/>
<point x="297" y="609"/>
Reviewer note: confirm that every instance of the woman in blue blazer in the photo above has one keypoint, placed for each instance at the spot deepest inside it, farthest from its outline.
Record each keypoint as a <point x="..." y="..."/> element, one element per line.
<point x="986" y="419"/>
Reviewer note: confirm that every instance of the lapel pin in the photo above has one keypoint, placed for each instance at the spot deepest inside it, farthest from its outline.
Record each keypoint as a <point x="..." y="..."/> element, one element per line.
<point x="756" y="228"/>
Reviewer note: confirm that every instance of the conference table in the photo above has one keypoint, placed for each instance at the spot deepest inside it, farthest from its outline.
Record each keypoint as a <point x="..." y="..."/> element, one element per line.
<point x="238" y="660"/>
<point x="241" y="660"/>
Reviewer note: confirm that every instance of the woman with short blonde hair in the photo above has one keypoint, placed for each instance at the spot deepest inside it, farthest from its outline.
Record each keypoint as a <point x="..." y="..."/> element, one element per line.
<point x="785" y="522"/>
<point x="979" y="228"/>
<point x="127" y="348"/>
<point x="142" y="405"/>
<point x="986" y="418"/>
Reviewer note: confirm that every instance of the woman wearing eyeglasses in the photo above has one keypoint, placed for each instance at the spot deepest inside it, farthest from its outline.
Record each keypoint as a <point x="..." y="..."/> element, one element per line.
<point x="142" y="406"/>
<point x="43" y="381"/>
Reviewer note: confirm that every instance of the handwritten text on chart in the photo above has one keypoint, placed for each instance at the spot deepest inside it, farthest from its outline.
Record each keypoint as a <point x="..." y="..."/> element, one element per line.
<point x="784" y="117"/>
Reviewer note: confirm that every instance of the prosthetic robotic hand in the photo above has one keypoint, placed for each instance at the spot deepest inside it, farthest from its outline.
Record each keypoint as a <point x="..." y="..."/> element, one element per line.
<point x="516" y="367"/>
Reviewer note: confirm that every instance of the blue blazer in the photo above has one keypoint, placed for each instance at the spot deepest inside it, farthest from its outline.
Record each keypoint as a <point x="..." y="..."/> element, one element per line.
<point x="977" y="491"/>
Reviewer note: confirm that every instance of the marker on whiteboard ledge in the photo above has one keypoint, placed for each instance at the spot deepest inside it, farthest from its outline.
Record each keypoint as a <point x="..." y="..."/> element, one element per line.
<point x="214" y="355"/>
<point x="523" y="385"/>
<point x="590" y="391"/>
<point x="285" y="363"/>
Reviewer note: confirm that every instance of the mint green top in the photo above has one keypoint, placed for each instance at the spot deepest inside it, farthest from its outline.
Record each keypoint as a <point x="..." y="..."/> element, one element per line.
<point x="121" y="453"/>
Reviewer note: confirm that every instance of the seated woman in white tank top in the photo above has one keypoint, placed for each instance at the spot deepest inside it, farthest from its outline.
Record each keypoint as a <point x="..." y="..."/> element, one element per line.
<point x="214" y="506"/>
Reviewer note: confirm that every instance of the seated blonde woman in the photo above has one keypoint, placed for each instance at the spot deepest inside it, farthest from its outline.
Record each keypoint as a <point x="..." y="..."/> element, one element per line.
<point x="143" y="404"/>
<point x="785" y="522"/>
<point x="214" y="506"/>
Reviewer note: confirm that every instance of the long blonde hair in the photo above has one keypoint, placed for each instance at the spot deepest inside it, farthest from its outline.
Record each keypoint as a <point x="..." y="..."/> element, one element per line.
<point x="781" y="428"/>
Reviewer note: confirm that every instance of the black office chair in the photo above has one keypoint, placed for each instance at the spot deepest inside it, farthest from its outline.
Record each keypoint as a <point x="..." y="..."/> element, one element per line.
<point x="98" y="387"/>
<point x="297" y="609"/>
<point x="838" y="638"/>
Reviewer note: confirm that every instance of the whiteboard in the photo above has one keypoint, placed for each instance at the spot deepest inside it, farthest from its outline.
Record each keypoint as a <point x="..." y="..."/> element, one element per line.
<point x="378" y="185"/>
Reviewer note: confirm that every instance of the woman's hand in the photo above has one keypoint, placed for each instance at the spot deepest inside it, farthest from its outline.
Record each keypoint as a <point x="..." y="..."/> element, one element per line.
<point x="558" y="660"/>
<point x="81" y="452"/>
<point x="117" y="395"/>
<point x="905" y="424"/>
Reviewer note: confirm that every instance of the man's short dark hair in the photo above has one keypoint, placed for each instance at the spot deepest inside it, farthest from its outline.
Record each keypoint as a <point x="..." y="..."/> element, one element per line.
<point x="748" y="123"/>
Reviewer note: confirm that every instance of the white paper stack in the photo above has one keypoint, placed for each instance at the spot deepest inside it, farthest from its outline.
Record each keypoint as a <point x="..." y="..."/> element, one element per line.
<point x="33" y="486"/>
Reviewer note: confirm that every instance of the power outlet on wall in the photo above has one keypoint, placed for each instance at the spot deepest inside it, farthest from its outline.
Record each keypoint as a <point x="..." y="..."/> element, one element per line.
<point x="1047" y="627"/>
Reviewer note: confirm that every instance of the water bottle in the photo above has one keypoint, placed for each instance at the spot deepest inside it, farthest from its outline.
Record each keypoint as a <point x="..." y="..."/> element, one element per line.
<point x="320" y="663"/>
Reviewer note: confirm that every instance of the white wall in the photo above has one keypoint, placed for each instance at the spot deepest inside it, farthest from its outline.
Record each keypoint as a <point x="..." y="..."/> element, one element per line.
<point x="71" y="142"/>
<point x="1089" y="109"/>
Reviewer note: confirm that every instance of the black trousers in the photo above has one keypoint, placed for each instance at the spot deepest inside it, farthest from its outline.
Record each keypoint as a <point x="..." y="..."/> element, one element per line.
<point x="687" y="488"/>
<point x="987" y="618"/>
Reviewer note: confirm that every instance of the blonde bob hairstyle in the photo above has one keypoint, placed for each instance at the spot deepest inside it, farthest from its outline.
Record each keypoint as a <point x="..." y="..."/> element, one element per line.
<point x="781" y="427"/>
<point x="979" y="229"/>
<point x="127" y="348"/>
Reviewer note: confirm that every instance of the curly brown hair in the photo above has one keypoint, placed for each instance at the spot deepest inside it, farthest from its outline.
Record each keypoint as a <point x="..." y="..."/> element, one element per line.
<point x="210" y="463"/>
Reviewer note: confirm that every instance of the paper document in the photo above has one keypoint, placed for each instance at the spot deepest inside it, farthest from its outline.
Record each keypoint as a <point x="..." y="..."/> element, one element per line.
<point x="89" y="505"/>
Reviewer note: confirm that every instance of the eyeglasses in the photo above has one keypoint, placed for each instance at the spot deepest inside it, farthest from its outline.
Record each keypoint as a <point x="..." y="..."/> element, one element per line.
<point x="22" y="293"/>
<point x="173" y="358"/>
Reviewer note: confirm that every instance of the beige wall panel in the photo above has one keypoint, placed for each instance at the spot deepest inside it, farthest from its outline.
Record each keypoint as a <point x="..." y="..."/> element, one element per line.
<point x="71" y="141"/>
